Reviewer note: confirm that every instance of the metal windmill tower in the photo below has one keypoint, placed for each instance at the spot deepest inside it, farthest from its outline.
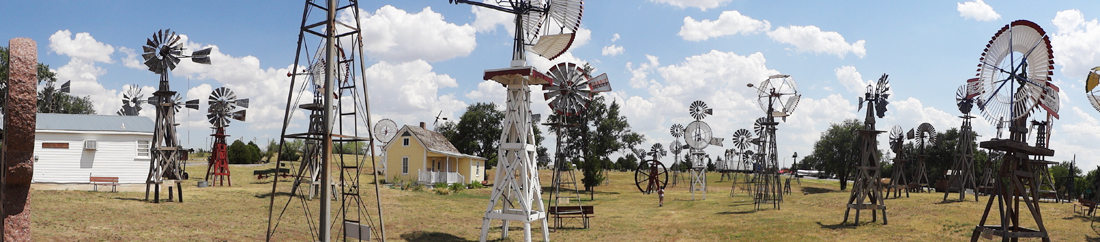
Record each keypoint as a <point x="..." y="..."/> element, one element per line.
<point x="676" y="147"/>
<point x="867" y="189"/>
<point x="162" y="53"/>
<point x="1015" y="73"/>
<point x="546" y="28"/>
<point x="568" y="95"/>
<point x="925" y="137"/>
<point x="222" y="103"/>
<point x="741" y="141"/>
<point x="963" y="168"/>
<point x="777" y="97"/>
<point x="333" y="83"/>
<point x="898" y="181"/>
<point x="698" y="136"/>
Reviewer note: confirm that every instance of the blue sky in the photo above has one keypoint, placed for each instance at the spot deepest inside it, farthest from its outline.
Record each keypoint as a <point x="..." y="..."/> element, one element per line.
<point x="428" y="56"/>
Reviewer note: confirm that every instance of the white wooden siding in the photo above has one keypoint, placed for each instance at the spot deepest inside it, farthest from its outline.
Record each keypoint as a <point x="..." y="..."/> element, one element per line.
<point x="116" y="156"/>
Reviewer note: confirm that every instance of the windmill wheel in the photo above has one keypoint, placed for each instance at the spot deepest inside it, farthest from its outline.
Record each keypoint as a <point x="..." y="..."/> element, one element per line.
<point x="385" y="129"/>
<point x="897" y="138"/>
<point x="1015" y="71"/>
<point x="650" y="176"/>
<point x="1090" y="87"/>
<point x="699" y="110"/>
<point x="568" y="94"/>
<point x="926" y="135"/>
<point x="741" y="139"/>
<point x="758" y="126"/>
<point x="677" y="130"/>
<point x="676" y="147"/>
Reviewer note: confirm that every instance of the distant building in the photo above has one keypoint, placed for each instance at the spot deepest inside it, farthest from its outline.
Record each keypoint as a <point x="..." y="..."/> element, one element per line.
<point x="68" y="148"/>
<point x="418" y="154"/>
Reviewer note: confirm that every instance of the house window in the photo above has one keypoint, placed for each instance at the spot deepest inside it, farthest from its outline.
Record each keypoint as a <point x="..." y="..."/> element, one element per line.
<point x="405" y="142"/>
<point x="143" y="148"/>
<point x="405" y="165"/>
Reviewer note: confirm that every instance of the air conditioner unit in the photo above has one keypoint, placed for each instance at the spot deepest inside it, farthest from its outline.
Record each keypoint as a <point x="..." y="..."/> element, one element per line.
<point x="90" y="145"/>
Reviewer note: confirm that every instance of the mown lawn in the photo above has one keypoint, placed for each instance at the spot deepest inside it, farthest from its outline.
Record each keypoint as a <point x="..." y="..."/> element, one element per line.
<point x="239" y="213"/>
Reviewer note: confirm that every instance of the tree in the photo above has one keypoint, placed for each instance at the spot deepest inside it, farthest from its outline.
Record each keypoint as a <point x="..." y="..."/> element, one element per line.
<point x="1062" y="182"/>
<point x="239" y="153"/>
<point x="49" y="100"/>
<point x="291" y="150"/>
<point x="628" y="162"/>
<point x="837" y="151"/>
<point x="604" y="131"/>
<point x="478" y="132"/>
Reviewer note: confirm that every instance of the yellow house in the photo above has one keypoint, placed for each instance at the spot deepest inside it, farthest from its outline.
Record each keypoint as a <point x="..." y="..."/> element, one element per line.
<point x="418" y="154"/>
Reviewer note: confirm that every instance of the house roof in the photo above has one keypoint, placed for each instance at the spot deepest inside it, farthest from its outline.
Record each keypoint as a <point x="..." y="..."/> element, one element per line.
<point x="84" y="122"/>
<point x="435" y="142"/>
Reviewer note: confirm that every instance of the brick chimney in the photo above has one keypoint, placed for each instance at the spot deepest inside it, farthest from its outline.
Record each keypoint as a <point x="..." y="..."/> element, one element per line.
<point x="423" y="125"/>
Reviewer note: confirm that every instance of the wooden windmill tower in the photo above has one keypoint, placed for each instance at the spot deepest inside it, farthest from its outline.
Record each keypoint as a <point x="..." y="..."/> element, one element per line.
<point x="867" y="189"/>
<point x="898" y="181"/>
<point x="1014" y="73"/>
<point x="925" y="136"/>
<point x="962" y="171"/>
<point x="162" y="53"/>
<point x="546" y="28"/>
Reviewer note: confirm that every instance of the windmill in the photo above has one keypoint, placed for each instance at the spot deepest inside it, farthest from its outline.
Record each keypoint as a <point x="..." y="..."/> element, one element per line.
<point x="1014" y="72"/>
<point x="899" y="181"/>
<point x="384" y="131"/>
<point x="777" y="97"/>
<point x="545" y="28"/>
<point x="962" y="171"/>
<point x="867" y="189"/>
<point x="162" y="52"/>
<point x="676" y="147"/>
<point x="741" y="141"/>
<point x="568" y="95"/>
<point x="131" y="101"/>
<point x="329" y="74"/>
<point x="222" y="103"/>
<point x="924" y="138"/>
<point x="698" y="136"/>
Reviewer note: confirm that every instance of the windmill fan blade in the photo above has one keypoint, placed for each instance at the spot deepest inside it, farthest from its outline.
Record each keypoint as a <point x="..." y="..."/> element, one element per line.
<point x="239" y="115"/>
<point x="860" y="104"/>
<point x="910" y="134"/>
<point x="242" y="103"/>
<point x="211" y="118"/>
<point x="880" y="107"/>
<point x="65" y="87"/>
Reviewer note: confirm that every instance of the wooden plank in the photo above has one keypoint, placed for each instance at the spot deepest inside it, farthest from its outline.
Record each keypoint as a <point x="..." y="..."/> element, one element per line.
<point x="55" y="145"/>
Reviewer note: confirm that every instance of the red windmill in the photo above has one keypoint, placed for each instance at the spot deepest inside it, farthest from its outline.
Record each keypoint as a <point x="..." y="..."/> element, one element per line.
<point x="222" y="102"/>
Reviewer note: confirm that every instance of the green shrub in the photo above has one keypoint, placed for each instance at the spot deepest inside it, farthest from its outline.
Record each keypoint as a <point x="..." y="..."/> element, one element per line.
<point x="458" y="187"/>
<point x="416" y="186"/>
<point x="439" y="185"/>
<point x="476" y="185"/>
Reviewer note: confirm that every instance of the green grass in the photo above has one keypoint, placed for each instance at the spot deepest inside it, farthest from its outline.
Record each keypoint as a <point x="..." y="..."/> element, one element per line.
<point x="239" y="213"/>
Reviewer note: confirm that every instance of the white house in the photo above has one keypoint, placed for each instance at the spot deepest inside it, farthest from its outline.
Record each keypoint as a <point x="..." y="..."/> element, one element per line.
<point x="69" y="148"/>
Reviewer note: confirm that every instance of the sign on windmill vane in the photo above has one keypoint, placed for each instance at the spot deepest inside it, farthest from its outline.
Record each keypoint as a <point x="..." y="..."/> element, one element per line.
<point x="599" y="84"/>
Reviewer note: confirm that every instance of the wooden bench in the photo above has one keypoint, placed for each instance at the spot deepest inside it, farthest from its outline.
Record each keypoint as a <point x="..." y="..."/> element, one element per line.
<point x="573" y="212"/>
<point x="102" y="180"/>
<point x="261" y="174"/>
<point x="1087" y="207"/>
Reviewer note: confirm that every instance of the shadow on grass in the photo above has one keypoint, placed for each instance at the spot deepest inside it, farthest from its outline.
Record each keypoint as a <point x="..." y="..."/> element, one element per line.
<point x="950" y="201"/>
<point x="1084" y="218"/>
<point x="430" y="236"/>
<point x="815" y="190"/>
<point x="739" y="212"/>
<point x="268" y="195"/>
<point x="844" y="225"/>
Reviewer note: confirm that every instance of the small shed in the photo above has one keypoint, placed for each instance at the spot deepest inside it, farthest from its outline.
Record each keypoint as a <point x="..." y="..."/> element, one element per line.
<point x="421" y="155"/>
<point x="69" y="148"/>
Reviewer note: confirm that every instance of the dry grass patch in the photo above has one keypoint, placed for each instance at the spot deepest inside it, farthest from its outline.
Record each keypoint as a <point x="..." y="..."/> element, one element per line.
<point x="239" y="213"/>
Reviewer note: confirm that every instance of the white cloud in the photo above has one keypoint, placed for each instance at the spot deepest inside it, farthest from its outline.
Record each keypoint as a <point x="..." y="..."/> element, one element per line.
<point x="488" y="91"/>
<point x="394" y="35"/>
<point x="639" y="76"/>
<point x="487" y="20"/>
<point x="977" y="10"/>
<point x="729" y="23"/>
<point x="131" y="59"/>
<point x="410" y="92"/>
<point x="851" y="79"/>
<point x="1074" y="43"/>
<point x="812" y="39"/>
<point x="612" y="50"/>
<point x="615" y="37"/>
<point x="82" y="46"/>
<point x="701" y="4"/>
